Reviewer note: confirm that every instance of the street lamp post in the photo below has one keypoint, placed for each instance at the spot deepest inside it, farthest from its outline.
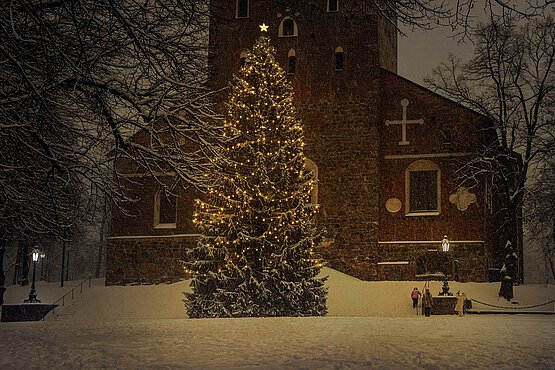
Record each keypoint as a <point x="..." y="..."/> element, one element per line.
<point x="33" y="293"/>
<point x="445" y="287"/>
<point x="42" y="256"/>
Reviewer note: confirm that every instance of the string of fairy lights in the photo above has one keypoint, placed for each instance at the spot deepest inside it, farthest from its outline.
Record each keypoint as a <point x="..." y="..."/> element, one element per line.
<point x="260" y="214"/>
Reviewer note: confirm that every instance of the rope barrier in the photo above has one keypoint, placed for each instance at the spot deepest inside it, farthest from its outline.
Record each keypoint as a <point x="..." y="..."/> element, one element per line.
<point x="512" y="308"/>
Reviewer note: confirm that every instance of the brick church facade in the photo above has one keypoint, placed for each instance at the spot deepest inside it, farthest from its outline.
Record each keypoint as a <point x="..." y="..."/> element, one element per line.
<point x="384" y="150"/>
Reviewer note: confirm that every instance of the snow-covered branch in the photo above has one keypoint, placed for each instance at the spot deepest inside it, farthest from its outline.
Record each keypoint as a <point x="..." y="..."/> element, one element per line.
<point x="79" y="82"/>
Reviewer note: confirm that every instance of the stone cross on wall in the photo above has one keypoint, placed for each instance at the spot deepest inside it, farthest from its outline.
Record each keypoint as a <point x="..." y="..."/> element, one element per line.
<point x="404" y="122"/>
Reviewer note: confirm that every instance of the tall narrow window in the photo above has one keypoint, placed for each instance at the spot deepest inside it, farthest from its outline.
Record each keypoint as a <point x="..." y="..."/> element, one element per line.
<point x="445" y="137"/>
<point x="339" y="58"/>
<point x="242" y="9"/>
<point x="165" y="210"/>
<point x="488" y="195"/>
<point x="291" y="61"/>
<point x="423" y="188"/>
<point x="288" y="27"/>
<point x="242" y="58"/>
<point x="333" y="5"/>
<point x="311" y="166"/>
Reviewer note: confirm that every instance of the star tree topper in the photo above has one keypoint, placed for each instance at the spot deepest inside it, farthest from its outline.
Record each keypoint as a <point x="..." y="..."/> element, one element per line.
<point x="263" y="27"/>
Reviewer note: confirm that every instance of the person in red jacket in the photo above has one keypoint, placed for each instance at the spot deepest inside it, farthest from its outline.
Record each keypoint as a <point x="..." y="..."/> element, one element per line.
<point x="414" y="295"/>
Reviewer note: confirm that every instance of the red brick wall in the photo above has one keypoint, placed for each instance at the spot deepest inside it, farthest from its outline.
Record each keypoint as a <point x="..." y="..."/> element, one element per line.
<point x="467" y="134"/>
<point x="470" y="257"/>
<point x="146" y="260"/>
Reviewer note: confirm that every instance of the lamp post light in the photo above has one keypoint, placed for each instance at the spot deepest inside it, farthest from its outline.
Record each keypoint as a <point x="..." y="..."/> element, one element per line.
<point x="445" y="244"/>
<point x="33" y="294"/>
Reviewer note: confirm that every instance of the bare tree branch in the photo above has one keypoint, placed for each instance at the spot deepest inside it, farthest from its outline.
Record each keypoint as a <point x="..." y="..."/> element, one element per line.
<point x="77" y="80"/>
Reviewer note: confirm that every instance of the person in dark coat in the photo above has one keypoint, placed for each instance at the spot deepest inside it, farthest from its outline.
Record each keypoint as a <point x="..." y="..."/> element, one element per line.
<point x="427" y="302"/>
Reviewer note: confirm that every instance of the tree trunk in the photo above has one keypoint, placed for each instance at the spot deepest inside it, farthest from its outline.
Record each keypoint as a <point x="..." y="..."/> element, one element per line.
<point x="2" y="276"/>
<point x="63" y="260"/>
<point x="506" y="290"/>
<point x="508" y="271"/>
<point x="25" y="263"/>
<point x="2" y="252"/>
<point x="514" y="233"/>
<point x="549" y="254"/>
<point x="552" y="267"/>
<point x="102" y="237"/>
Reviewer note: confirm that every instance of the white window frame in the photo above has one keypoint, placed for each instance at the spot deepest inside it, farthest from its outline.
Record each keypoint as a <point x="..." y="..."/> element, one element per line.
<point x="157" y="224"/>
<point x="295" y="28"/>
<point x="417" y="166"/>
<point x="330" y="10"/>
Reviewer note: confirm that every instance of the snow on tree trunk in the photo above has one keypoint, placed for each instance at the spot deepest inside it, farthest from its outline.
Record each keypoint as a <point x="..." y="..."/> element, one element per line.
<point x="254" y="257"/>
<point x="508" y="272"/>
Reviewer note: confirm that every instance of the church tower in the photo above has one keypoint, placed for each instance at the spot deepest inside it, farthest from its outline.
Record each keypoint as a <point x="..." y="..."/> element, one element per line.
<point x="385" y="150"/>
<point x="333" y="53"/>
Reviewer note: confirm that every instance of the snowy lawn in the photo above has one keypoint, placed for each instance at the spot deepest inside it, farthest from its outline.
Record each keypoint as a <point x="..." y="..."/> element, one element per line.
<point x="369" y="325"/>
<point x="470" y="342"/>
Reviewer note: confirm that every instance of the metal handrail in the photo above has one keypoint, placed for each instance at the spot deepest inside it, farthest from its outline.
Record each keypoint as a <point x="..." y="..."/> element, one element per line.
<point x="80" y="285"/>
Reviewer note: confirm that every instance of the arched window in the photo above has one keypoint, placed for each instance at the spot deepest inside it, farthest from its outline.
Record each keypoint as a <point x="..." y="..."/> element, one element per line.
<point x="291" y="61"/>
<point x="446" y="137"/>
<point x="339" y="58"/>
<point x="288" y="27"/>
<point x="311" y="166"/>
<point x="165" y="209"/>
<point x="242" y="58"/>
<point x="333" y="5"/>
<point x="422" y="189"/>
<point x="242" y="10"/>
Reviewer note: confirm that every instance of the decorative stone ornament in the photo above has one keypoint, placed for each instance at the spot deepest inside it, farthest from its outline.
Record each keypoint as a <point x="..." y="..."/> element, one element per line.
<point x="393" y="205"/>
<point x="462" y="198"/>
<point x="404" y="122"/>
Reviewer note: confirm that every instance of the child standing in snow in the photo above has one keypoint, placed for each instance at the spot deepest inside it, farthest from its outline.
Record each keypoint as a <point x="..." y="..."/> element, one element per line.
<point x="414" y="295"/>
<point x="459" y="307"/>
<point x="427" y="302"/>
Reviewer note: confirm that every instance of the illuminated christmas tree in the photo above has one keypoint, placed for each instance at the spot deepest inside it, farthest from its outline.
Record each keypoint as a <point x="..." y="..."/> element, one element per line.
<point x="254" y="257"/>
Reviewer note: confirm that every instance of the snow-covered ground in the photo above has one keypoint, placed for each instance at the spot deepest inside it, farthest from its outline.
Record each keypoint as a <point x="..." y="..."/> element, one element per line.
<point x="369" y="325"/>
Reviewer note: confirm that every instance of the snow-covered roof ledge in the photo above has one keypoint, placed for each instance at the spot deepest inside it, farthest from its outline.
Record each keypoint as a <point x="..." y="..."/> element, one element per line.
<point x="116" y="237"/>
